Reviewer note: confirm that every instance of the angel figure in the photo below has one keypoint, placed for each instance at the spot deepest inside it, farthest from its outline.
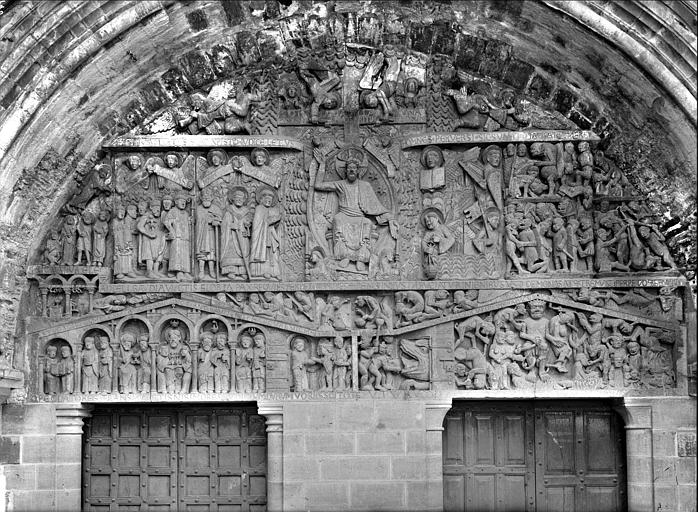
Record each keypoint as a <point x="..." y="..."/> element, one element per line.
<point x="437" y="240"/>
<point x="485" y="175"/>
<point x="377" y="90"/>
<point x="323" y="92"/>
<point x="260" y="166"/>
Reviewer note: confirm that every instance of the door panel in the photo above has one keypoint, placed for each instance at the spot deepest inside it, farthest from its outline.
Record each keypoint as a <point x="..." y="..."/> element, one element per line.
<point x="486" y="454"/>
<point x="544" y="456"/>
<point x="582" y="454"/>
<point x="207" y="459"/>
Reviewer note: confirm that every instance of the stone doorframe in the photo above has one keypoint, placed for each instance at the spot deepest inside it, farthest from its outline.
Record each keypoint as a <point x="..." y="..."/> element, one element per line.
<point x="637" y="418"/>
<point x="70" y="420"/>
<point x="639" y="453"/>
<point x="635" y="412"/>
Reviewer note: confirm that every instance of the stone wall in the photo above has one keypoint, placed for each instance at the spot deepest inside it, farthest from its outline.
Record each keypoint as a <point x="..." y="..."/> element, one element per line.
<point x="362" y="455"/>
<point x="41" y="457"/>
<point x="380" y="454"/>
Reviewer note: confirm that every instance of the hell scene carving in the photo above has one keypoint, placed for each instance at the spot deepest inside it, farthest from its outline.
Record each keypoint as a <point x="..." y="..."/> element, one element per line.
<point x="357" y="219"/>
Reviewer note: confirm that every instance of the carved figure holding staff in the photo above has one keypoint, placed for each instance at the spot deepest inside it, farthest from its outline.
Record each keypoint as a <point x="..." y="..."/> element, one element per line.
<point x="68" y="234"/>
<point x="153" y="244"/>
<point x="89" y="363"/>
<point x="235" y="233"/>
<point x="121" y="227"/>
<point x="84" y="231"/>
<point x="264" y="253"/>
<point x="220" y="358"/>
<point x="208" y="222"/>
<point x="178" y="225"/>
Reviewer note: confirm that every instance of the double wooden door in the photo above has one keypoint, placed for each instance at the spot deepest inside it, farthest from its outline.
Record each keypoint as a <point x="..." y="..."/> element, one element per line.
<point x="533" y="456"/>
<point x="194" y="459"/>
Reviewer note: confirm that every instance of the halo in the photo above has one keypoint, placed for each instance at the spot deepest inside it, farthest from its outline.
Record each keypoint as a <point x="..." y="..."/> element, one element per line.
<point x="411" y="79"/>
<point x="172" y="153"/>
<point x="427" y="211"/>
<point x="507" y="91"/>
<point x="257" y="150"/>
<point x="485" y="152"/>
<point x="152" y="161"/>
<point x="219" y="152"/>
<point x="350" y="154"/>
<point x="299" y="337"/>
<point x="426" y="150"/>
<point x="140" y="159"/>
<point x="103" y="166"/>
<point x="263" y="190"/>
<point x="320" y="250"/>
<point x="232" y="190"/>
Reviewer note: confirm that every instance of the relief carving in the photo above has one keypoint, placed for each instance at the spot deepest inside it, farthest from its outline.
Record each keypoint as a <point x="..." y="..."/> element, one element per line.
<point x="306" y="217"/>
<point x="555" y="346"/>
<point x="58" y="368"/>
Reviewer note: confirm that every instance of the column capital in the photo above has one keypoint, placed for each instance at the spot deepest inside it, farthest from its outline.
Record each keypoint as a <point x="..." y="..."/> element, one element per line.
<point x="70" y="417"/>
<point x="436" y="411"/>
<point x="636" y="413"/>
<point x="274" y="412"/>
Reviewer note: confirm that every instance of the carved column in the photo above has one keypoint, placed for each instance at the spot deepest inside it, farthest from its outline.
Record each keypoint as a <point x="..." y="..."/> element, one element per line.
<point x="275" y="426"/>
<point x="91" y="295"/>
<point x="77" y="369"/>
<point x="355" y="362"/>
<point x="69" y="424"/>
<point x="116" y="360"/>
<point x="68" y="311"/>
<point x="435" y="412"/>
<point x="639" y="450"/>
<point x="42" y="374"/>
<point x="194" y="368"/>
<point x="153" y="368"/>
<point x="233" y="384"/>
<point x="44" y="299"/>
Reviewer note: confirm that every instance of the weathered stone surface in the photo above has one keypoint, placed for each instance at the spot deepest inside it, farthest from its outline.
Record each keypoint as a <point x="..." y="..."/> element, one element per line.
<point x="9" y="449"/>
<point x="309" y="243"/>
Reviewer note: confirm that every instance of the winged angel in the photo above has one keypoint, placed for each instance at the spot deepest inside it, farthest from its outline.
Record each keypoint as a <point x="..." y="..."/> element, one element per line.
<point x="259" y="166"/>
<point x="155" y="173"/>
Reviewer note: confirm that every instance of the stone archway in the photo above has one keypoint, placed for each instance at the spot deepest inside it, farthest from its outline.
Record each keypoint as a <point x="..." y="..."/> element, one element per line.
<point x="355" y="212"/>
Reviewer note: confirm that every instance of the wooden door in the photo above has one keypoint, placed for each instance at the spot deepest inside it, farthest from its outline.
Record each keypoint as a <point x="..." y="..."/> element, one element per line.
<point x="488" y="458"/>
<point x="526" y="456"/>
<point x="209" y="459"/>
<point x="579" y="450"/>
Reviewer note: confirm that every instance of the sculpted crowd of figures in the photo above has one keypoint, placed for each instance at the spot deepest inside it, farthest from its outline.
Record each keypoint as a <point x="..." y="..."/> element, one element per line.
<point x="135" y="364"/>
<point x="560" y="340"/>
<point x="491" y="212"/>
<point x="329" y="211"/>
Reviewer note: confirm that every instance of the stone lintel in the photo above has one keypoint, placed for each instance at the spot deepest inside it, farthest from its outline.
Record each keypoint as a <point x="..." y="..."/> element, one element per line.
<point x="373" y="285"/>
<point x="498" y="137"/>
<point x="203" y="141"/>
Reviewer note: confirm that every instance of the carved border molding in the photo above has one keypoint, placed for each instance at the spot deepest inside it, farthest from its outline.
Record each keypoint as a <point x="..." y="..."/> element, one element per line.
<point x="311" y="286"/>
<point x="499" y="137"/>
<point x="205" y="141"/>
